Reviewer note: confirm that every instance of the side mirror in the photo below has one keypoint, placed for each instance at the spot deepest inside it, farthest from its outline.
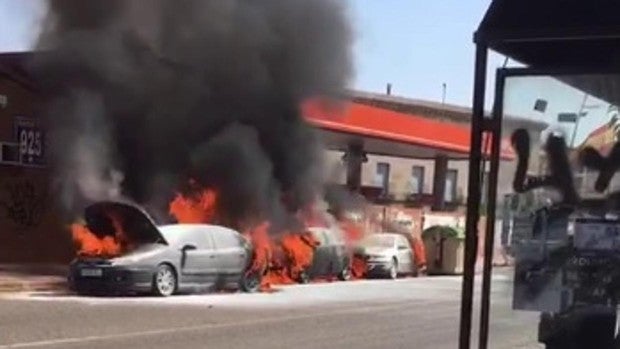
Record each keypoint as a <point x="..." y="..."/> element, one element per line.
<point x="188" y="248"/>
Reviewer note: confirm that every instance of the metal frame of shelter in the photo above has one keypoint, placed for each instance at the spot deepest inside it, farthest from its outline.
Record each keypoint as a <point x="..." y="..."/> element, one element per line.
<point x="552" y="37"/>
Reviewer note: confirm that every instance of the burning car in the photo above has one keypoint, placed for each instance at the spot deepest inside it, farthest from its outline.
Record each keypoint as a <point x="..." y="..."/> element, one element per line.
<point x="386" y="254"/>
<point x="331" y="258"/>
<point x="161" y="260"/>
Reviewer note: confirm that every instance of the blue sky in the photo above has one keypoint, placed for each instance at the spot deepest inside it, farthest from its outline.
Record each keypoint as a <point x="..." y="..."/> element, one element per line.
<point x="19" y="21"/>
<point x="415" y="45"/>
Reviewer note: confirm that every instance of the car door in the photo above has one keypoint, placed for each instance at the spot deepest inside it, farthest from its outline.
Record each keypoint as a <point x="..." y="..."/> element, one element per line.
<point x="231" y="254"/>
<point x="321" y="258"/>
<point x="339" y="249"/>
<point x="198" y="264"/>
<point x="405" y="255"/>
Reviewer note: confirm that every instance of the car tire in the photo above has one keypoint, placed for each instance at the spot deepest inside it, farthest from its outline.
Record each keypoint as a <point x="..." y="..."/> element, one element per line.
<point x="345" y="274"/>
<point x="393" y="270"/>
<point x="415" y="272"/>
<point x="250" y="282"/>
<point x="303" y="278"/>
<point x="164" y="281"/>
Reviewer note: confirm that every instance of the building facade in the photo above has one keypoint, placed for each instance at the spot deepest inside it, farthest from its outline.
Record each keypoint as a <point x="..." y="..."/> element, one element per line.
<point x="403" y="177"/>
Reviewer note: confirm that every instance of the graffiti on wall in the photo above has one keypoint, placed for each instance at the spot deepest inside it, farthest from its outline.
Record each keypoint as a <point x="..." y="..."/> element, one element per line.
<point x="22" y="202"/>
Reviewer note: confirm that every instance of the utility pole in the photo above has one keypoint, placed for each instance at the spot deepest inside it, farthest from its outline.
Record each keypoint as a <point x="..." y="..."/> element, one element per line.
<point x="443" y="93"/>
<point x="579" y="115"/>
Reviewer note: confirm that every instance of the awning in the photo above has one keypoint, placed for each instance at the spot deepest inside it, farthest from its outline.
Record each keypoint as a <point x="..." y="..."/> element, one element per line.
<point x="387" y="132"/>
<point x="559" y="34"/>
<point x="575" y="33"/>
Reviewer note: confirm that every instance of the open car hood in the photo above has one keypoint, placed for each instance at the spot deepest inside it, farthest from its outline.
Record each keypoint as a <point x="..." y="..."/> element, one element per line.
<point x="137" y="225"/>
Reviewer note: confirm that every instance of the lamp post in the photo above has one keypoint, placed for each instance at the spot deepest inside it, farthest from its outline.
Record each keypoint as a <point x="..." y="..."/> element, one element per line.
<point x="583" y="111"/>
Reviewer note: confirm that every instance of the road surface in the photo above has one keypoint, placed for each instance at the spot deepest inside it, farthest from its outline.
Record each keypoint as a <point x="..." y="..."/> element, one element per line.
<point x="407" y="313"/>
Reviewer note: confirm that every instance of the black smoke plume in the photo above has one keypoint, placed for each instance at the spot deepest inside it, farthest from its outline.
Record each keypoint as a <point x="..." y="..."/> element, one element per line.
<point x="142" y="95"/>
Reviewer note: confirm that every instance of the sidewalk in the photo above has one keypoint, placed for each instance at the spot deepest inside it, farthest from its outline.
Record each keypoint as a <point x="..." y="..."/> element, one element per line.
<point x="32" y="277"/>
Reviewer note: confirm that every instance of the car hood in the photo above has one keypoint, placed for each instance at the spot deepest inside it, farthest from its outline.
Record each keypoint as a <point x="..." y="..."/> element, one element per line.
<point x="138" y="226"/>
<point x="139" y="254"/>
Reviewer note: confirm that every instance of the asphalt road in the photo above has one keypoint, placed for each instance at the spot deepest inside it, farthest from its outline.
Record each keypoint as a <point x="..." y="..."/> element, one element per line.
<point x="407" y="313"/>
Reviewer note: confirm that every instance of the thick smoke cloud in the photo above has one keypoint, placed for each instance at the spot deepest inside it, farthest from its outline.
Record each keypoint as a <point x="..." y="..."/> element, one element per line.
<point x="141" y="95"/>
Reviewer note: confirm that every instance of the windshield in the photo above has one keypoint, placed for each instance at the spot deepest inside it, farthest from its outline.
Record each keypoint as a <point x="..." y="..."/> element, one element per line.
<point x="379" y="240"/>
<point x="173" y="233"/>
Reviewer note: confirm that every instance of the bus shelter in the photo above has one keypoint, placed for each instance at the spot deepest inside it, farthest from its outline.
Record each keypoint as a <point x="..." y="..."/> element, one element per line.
<point x="570" y="46"/>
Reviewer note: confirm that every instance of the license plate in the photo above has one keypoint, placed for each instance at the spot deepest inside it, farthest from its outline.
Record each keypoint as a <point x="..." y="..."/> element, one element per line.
<point x="91" y="272"/>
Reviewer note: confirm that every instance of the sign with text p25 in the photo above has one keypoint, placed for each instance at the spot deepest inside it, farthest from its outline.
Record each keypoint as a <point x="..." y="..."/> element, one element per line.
<point x="31" y="140"/>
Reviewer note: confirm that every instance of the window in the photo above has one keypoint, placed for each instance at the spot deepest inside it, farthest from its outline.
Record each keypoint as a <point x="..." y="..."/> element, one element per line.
<point x="417" y="179"/>
<point x="225" y="239"/>
<point x="196" y="237"/>
<point x="402" y="242"/>
<point x="450" y="190"/>
<point x="383" y="176"/>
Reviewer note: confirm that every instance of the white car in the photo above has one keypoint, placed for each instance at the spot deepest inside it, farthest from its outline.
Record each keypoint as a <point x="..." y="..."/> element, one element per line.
<point x="386" y="254"/>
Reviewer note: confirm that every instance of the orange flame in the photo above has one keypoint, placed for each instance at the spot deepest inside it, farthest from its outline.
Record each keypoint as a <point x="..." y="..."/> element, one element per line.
<point x="280" y="262"/>
<point x="299" y="250"/>
<point x="352" y="234"/>
<point x="262" y="246"/>
<point x="92" y="246"/>
<point x="195" y="209"/>
<point x="263" y="258"/>
<point x="419" y="253"/>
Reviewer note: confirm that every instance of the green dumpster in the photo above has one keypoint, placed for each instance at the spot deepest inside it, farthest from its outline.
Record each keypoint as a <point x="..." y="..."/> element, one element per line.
<point x="445" y="248"/>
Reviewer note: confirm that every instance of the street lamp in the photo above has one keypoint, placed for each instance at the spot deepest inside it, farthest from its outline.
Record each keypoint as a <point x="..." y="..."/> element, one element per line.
<point x="576" y="117"/>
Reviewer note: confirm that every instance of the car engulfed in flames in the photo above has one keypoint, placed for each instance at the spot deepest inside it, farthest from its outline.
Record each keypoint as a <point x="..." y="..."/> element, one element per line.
<point x="115" y="235"/>
<point x="123" y="251"/>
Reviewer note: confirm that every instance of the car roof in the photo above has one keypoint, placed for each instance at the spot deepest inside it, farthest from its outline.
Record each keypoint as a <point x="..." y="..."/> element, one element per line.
<point x="173" y="232"/>
<point x="180" y="228"/>
<point x="389" y="234"/>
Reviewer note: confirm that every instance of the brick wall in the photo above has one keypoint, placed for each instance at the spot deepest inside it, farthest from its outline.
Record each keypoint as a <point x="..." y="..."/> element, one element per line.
<point x="30" y="228"/>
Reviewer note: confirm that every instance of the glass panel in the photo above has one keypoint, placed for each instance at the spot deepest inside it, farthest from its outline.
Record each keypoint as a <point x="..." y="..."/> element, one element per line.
<point x="552" y="201"/>
<point x="417" y="179"/>
<point x="224" y="238"/>
<point x="451" y="182"/>
<point x="383" y="176"/>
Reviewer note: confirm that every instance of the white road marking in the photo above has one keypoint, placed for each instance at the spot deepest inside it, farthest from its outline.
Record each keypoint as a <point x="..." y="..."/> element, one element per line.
<point x="77" y="340"/>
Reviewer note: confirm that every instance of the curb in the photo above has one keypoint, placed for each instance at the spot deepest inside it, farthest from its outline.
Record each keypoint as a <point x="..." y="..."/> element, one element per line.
<point x="15" y="286"/>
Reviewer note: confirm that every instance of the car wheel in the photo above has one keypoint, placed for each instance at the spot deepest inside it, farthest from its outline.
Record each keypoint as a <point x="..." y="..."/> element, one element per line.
<point x="164" y="281"/>
<point x="345" y="274"/>
<point x="303" y="278"/>
<point x="393" y="271"/>
<point x="415" y="272"/>
<point x="250" y="282"/>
